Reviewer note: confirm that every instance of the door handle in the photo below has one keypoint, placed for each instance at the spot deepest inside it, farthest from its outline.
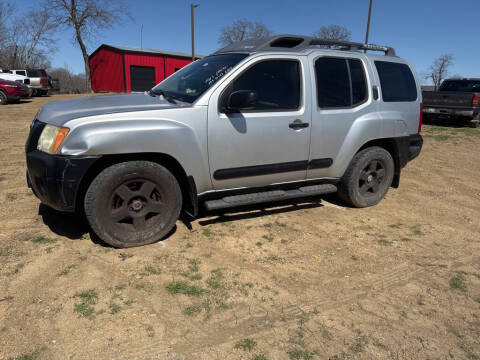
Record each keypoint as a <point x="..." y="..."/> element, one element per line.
<point x="298" y="124"/>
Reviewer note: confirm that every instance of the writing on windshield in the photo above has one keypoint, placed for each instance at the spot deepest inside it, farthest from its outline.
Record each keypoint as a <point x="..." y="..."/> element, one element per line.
<point x="192" y="81"/>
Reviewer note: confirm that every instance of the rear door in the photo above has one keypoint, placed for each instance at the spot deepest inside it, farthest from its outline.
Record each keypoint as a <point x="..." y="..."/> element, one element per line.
<point x="262" y="145"/>
<point x="342" y="94"/>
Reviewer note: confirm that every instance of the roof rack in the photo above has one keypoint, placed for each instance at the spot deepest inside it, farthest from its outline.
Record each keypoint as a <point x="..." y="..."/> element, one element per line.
<point x="347" y="45"/>
<point x="296" y="43"/>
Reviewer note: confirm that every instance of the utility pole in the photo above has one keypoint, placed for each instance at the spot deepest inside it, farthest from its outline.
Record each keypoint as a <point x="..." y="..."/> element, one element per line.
<point x="192" y="15"/>
<point x="368" y="23"/>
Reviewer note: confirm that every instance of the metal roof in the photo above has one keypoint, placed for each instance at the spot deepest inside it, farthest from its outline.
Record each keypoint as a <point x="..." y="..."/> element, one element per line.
<point x="145" y="51"/>
<point x="296" y="43"/>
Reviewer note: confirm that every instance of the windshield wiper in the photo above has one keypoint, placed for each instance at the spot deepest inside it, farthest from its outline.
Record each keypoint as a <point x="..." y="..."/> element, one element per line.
<point x="162" y="93"/>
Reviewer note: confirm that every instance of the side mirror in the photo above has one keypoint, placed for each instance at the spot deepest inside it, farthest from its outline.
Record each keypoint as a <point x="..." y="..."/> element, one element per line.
<point x="241" y="99"/>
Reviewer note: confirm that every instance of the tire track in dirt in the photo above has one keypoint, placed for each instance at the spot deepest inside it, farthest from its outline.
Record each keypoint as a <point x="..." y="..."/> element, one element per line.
<point x="264" y="325"/>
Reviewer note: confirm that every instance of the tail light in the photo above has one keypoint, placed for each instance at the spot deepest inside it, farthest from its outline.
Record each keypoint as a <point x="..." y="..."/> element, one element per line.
<point x="43" y="81"/>
<point x="420" y="118"/>
<point x="475" y="100"/>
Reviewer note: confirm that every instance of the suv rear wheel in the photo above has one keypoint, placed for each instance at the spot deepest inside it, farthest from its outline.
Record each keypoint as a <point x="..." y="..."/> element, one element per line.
<point x="133" y="203"/>
<point x="368" y="177"/>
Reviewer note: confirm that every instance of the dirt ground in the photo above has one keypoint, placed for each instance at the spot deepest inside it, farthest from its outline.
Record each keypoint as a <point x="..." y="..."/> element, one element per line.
<point x="303" y="280"/>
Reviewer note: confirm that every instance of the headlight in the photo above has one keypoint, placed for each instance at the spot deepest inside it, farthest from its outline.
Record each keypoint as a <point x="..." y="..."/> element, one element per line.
<point x="51" y="138"/>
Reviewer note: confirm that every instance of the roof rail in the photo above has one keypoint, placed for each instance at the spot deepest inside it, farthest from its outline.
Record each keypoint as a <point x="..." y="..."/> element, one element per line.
<point x="347" y="45"/>
<point x="297" y="43"/>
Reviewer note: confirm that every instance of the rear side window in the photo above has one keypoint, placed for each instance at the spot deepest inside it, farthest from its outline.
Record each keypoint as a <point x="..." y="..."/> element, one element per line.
<point x="277" y="83"/>
<point x="397" y="82"/>
<point x="340" y="82"/>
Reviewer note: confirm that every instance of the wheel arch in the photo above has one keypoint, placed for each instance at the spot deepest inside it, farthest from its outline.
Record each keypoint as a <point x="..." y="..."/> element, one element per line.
<point x="396" y="147"/>
<point x="186" y="182"/>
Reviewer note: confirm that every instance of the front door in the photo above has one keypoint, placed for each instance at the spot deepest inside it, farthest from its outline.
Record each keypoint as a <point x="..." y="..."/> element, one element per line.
<point x="268" y="143"/>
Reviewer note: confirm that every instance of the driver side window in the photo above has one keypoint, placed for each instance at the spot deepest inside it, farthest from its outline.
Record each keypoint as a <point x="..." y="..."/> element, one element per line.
<point x="276" y="82"/>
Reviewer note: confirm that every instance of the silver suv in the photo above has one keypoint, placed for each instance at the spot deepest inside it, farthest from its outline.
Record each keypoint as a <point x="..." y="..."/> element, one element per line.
<point x="258" y="121"/>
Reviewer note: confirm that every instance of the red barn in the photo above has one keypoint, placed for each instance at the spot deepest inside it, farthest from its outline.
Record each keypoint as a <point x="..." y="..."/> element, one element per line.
<point x="127" y="69"/>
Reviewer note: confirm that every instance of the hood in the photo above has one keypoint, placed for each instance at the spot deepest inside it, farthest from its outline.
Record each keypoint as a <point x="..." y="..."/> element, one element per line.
<point x="59" y="112"/>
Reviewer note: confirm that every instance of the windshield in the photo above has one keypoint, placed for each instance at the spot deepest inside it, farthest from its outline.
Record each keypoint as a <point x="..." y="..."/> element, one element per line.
<point x="192" y="81"/>
<point x="461" y="85"/>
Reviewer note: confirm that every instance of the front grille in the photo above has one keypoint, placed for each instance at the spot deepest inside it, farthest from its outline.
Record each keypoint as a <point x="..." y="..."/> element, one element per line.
<point x="35" y="130"/>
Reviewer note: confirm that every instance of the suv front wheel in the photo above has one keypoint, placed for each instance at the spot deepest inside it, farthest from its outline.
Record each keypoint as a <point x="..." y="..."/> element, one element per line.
<point x="133" y="203"/>
<point x="368" y="177"/>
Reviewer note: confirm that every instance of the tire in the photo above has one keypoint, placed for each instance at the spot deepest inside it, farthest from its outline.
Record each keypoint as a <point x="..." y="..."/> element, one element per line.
<point x="133" y="203"/>
<point x="3" y="98"/>
<point x="368" y="177"/>
<point x="475" y="122"/>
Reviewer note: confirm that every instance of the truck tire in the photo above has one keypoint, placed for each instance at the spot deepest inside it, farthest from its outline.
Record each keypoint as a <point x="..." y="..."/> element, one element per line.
<point x="475" y="122"/>
<point x="367" y="178"/>
<point x="3" y="98"/>
<point x="133" y="203"/>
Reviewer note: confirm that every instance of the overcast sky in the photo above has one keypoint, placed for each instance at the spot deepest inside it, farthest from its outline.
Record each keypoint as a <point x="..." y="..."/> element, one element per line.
<point x="419" y="30"/>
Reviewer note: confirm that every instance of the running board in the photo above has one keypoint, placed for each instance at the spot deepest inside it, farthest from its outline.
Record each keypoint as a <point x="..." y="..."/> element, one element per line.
<point x="267" y="196"/>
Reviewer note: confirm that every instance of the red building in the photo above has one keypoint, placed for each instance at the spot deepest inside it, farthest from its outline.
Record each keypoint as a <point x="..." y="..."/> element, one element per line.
<point x="127" y="69"/>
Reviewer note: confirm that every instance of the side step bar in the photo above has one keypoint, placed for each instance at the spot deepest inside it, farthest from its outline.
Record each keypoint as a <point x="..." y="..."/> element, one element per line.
<point x="267" y="196"/>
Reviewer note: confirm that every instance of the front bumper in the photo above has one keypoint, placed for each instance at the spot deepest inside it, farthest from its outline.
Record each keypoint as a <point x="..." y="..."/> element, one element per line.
<point x="13" y="98"/>
<point x="56" y="179"/>
<point x="15" y="94"/>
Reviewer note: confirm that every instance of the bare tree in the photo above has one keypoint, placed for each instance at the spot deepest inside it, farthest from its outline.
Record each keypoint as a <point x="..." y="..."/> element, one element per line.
<point x="333" y="32"/>
<point x="69" y="83"/>
<point x="85" y="17"/>
<point x="39" y="33"/>
<point x="6" y="11"/>
<point x="242" y="30"/>
<point x="30" y="41"/>
<point x="439" y="69"/>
